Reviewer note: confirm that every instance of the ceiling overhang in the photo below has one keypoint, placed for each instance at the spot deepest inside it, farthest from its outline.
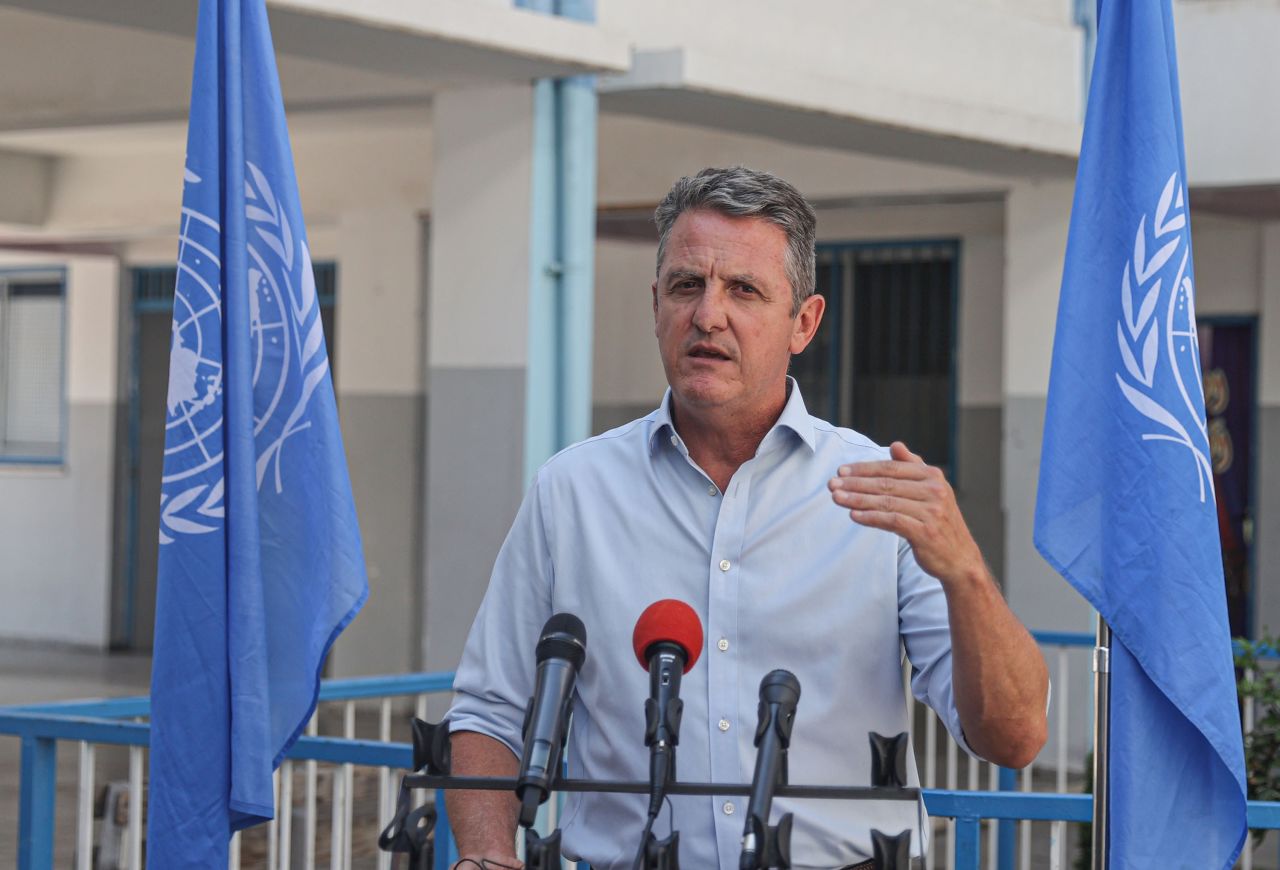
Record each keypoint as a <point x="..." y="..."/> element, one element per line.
<point x="450" y="42"/>
<point x="818" y="111"/>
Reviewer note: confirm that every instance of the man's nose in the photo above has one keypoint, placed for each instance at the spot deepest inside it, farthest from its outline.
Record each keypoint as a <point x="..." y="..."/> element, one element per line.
<point x="709" y="316"/>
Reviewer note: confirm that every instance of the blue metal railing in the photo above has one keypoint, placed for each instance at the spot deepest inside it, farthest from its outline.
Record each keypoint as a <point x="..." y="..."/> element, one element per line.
<point x="40" y="727"/>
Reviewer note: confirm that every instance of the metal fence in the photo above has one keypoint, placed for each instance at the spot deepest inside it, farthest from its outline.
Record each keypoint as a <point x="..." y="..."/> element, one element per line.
<point x="337" y="787"/>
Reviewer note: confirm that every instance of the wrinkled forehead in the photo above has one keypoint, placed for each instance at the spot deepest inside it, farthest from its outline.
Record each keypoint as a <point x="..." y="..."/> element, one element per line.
<point x="703" y="243"/>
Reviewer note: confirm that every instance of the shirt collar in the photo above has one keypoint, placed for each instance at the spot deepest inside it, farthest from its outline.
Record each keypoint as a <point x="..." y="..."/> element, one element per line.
<point x="794" y="416"/>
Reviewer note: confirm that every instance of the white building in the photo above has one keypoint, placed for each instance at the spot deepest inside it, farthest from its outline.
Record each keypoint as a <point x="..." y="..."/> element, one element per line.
<point x="938" y="141"/>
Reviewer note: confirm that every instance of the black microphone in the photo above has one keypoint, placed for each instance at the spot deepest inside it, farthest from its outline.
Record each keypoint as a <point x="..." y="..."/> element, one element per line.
<point x="560" y="653"/>
<point x="667" y="641"/>
<point x="779" y="694"/>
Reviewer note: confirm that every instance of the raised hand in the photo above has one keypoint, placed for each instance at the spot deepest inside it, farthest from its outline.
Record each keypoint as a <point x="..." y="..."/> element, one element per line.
<point x="903" y="494"/>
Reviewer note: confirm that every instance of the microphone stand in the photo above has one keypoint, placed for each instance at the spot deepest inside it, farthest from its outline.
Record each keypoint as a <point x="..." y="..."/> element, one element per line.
<point x="766" y="846"/>
<point x="431" y="758"/>
<point x="541" y="853"/>
<point x="662" y="854"/>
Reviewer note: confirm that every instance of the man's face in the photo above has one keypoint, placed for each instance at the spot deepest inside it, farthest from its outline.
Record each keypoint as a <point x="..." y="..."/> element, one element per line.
<point x="722" y="313"/>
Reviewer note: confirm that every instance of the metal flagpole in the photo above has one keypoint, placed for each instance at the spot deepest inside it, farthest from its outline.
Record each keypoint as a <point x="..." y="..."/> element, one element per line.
<point x="1101" y="741"/>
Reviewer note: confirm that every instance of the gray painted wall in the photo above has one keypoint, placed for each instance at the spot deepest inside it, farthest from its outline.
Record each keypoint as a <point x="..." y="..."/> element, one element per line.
<point x="978" y="478"/>
<point x="610" y="416"/>
<point x="1266" y="549"/>
<point x="475" y="450"/>
<point x="383" y="436"/>
<point x="1037" y="594"/>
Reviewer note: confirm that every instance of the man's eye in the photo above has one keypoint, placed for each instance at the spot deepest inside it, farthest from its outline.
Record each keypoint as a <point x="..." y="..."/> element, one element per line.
<point x="748" y="290"/>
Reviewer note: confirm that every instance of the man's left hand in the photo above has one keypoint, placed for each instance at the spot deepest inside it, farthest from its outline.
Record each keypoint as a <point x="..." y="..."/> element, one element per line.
<point x="904" y="495"/>
<point x="999" y="676"/>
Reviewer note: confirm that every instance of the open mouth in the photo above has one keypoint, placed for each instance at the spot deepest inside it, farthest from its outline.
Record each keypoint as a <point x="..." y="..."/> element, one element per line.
<point x="708" y="351"/>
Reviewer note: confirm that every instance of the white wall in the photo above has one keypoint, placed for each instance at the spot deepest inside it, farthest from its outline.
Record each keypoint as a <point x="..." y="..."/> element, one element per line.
<point x="56" y="522"/>
<point x="1228" y="257"/>
<point x="380" y="302"/>
<point x="626" y="367"/>
<point x="951" y="51"/>
<point x="1229" y="73"/>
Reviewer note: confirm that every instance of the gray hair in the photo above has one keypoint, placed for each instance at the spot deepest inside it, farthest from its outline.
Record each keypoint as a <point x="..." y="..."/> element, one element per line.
<point x="741" y="192"/>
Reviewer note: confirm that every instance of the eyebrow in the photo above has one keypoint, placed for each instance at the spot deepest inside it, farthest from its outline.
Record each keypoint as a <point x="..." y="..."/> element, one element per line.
<point x="678" y="275"/>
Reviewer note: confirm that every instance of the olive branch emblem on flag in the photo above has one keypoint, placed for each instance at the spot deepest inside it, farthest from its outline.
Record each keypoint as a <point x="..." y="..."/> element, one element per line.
<point x="1139" y="332"/>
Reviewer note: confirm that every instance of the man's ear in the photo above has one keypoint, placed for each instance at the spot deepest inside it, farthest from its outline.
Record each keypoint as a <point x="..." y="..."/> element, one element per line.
<point x="654" y="289"/>
<point x="805" y="324"/>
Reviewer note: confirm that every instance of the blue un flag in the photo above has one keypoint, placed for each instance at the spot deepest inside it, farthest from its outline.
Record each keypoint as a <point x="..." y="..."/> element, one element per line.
<point x="260" y="560"/>
<point x="1126" y="506"/>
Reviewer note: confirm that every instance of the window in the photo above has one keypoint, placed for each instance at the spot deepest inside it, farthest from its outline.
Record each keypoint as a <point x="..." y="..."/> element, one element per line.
<point x="883" y="361"/>
<point x="32" y="363"/>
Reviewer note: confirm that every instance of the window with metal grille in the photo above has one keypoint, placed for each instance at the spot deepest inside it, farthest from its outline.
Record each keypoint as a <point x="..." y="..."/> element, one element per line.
<point x="32" y="365"/>
<point x="883" y="361"/>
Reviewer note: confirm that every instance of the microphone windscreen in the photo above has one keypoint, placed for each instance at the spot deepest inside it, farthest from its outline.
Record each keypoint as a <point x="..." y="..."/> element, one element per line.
<point x="563" y="637"/>
<point x="669" y="621"/>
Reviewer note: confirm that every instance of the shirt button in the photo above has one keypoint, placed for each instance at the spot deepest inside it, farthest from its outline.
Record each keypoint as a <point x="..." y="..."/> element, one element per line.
<point x="724" y="724"/>
<point x="722" y="644"/>
<point x="724" y="564"/>
<point x="711" y="490"/>
<point x="728" y="808"/>
<point x="674" y="441"/>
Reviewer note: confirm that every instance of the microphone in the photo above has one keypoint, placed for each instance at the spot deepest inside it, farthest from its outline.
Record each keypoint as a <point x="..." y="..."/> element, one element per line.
<point x="667" y="641"/>
<point x="560" y="652"/>
<point x="762" y="846"/>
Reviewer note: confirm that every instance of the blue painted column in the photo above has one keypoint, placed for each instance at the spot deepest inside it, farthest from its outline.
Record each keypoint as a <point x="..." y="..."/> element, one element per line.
<point x="36" y="803"/>
<point x="562" y="265"/>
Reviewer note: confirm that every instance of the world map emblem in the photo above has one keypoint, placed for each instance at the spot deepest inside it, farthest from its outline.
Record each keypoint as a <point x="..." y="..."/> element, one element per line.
<point x="286" y="344"/>
<point x="1156" y="334"/>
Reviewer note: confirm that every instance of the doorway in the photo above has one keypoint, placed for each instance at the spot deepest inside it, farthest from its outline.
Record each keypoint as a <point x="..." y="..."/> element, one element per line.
<point x="1228" y="359"/>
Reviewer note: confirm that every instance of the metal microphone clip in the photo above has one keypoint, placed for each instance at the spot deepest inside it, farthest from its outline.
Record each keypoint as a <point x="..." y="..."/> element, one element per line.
<point x="662" y="854"/>
<point x="541" y="853"/>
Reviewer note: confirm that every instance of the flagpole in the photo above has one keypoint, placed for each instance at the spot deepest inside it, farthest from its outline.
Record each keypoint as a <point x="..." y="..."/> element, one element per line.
<point x="1101" y="741"/>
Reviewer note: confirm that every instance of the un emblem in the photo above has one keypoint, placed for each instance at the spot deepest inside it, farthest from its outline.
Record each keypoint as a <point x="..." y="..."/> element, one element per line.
<point x="287" y="349"/>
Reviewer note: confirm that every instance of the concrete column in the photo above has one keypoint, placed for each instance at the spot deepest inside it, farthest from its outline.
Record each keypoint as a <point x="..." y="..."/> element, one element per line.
<point x="1036" y="239"/>
<point x="478" y="349"/>
<point x="1266" y="553"/>
<point x="1035" y="243"/>
<point x="377" y="358"/>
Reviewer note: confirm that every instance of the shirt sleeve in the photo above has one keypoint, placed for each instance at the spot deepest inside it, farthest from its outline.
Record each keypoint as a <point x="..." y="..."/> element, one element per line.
<point x="926" y="634"/>
<point x="496" y="675"/>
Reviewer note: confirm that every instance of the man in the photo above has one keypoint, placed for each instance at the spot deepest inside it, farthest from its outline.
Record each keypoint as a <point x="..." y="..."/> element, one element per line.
<point x="800" y="545"/>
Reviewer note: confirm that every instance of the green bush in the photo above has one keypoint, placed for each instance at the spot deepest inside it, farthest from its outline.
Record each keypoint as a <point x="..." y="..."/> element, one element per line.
<point x="1262" y="744"/>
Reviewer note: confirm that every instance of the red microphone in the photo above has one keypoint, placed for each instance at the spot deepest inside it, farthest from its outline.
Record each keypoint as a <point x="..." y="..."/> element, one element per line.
<point x="668" y="621"/>
<point x="667" y="641"/>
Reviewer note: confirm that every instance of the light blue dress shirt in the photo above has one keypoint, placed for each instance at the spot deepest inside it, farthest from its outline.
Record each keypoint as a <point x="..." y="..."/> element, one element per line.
<point x="780" y="577"/>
